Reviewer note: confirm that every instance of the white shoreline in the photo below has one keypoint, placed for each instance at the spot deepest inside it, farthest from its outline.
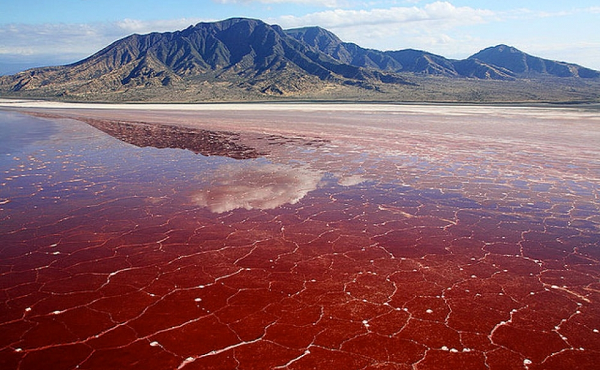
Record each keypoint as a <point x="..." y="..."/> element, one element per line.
<point x="432" y="108"/>
<point x="252" y="106"/>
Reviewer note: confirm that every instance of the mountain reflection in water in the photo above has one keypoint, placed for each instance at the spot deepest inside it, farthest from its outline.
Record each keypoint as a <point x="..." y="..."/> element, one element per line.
<point x="205" y="142"/>
<point x="250" y="185"/>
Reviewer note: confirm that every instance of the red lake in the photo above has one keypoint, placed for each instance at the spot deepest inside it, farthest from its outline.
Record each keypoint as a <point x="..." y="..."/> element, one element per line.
<point x="282" y="236"/>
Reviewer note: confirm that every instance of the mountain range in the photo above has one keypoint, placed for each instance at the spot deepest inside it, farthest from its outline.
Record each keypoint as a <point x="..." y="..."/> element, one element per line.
<point x="247" y="59"/>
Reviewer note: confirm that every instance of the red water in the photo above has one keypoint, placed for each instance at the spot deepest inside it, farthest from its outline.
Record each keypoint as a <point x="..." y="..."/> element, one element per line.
<point x="401" y="251"/>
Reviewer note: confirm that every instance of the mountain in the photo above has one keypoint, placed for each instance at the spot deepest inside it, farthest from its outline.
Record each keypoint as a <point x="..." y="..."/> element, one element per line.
<point x="242" y="53"/>
<point x="392" y="61"/>
<point x="247" y="59"/>
<point x="525" y="65"/>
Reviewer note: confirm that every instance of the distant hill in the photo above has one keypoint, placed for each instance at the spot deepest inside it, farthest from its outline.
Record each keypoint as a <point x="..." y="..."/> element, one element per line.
<point x="499" y="63"/>
<point x="525" y="65"/>
<point x="247" y="59"/>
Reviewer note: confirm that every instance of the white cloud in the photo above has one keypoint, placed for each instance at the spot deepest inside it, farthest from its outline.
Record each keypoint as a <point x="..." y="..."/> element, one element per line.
<point x="136" y="26"/>
<point x="258" y="186"/>
<point x="441" y="13"/>
<point x="25" y="46"/>
<point x="351" y="180"/>
<point x="583" y="53"/>
<point x="76" y="39"/>
<point x="524" y="13"/>
<point x="319" y="3"/>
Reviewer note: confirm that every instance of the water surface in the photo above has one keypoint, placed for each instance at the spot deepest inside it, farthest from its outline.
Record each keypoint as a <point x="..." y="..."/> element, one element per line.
<point x="413" y="239"/>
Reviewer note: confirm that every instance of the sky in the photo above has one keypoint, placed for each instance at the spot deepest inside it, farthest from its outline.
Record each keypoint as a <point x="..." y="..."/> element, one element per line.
<point x="53" y="32"/>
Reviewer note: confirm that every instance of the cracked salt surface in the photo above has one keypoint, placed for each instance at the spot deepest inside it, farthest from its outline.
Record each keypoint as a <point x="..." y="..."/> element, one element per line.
<point x="397" y="239"/>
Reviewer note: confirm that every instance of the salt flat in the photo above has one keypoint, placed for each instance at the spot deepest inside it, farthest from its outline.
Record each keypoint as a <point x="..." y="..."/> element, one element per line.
<point x="439" y="108"/>
<point x="565" y="128"/>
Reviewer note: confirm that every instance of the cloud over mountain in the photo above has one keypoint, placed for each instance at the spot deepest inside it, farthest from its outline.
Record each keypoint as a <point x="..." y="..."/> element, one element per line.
<point x="440" y="13"/>
<point x="326" y="3"/>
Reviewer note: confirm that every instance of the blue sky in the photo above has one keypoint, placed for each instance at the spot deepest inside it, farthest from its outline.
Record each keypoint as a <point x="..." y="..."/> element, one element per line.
<point x="47" y="32"/>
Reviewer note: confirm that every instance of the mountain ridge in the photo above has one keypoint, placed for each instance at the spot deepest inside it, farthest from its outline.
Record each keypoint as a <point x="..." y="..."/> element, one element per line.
<point x="247" y="59"/>
<point x="492" y="59"/>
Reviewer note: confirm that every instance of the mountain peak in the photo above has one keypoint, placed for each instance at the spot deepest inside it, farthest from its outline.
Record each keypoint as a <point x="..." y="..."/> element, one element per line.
<point x="316" y="37"/>
<point x="242" y="25"/>
<point x="498" y="51"/>
<point x="226" y="23"/>
<point x="246" y="54"/>
<point x="503" y="48"/>
<point x="525" y="65"/>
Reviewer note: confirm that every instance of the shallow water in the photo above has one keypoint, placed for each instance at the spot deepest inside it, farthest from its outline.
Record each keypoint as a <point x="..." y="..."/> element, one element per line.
<point x="375" y="247"/>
